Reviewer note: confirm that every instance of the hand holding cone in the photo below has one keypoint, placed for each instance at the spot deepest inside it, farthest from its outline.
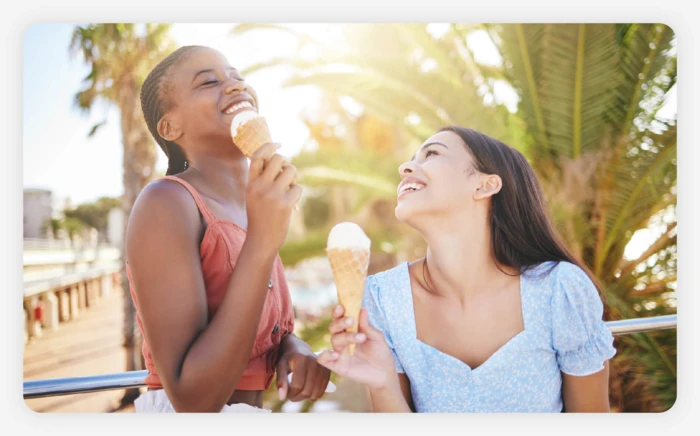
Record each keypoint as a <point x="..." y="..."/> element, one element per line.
<point x="249" y="132"/>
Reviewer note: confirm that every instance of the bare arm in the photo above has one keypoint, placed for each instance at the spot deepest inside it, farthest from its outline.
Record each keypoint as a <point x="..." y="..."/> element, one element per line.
<point x="587" y="393"/>
<point x="393" y="398"/>
<point x="200" y="362"/>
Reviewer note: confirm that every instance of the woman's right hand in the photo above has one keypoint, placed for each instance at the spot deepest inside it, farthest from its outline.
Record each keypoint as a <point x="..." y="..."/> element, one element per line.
<point x="271" y="194"/>
<point x="372" y="362"/>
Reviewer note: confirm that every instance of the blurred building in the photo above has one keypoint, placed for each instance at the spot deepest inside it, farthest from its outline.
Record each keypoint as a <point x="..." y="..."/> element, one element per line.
<point x="38" y="211"/>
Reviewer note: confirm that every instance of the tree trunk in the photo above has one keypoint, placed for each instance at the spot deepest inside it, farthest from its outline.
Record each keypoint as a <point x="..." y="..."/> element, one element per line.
<point x="139" y="169"/>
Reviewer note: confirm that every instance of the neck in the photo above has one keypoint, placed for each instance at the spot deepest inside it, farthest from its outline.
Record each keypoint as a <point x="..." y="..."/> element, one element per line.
<point x="460" y="262"/>
<point x="226" y="176"/>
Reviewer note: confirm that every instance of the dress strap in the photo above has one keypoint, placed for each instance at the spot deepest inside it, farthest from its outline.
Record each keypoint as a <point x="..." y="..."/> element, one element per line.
<point x="201" y="205"/>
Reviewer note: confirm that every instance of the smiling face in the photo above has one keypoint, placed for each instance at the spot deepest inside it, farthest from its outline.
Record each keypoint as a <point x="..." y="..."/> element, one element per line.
<point x="441" y="179"/>
<point x="201" y="95"/>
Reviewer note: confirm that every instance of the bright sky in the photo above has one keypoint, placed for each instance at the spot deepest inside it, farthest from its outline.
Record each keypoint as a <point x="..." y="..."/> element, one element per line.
<point x="59" y="156"/>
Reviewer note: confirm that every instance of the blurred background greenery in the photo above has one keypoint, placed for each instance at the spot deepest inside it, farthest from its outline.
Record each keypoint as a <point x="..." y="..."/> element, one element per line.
<point x="587" y="110"/>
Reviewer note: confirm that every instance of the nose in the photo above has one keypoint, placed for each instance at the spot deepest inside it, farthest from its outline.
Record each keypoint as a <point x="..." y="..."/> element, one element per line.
<point x="406" y="168"/>
<point x="236" y="86"/>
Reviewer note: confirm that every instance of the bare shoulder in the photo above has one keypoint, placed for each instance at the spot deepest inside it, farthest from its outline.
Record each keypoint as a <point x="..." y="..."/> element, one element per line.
<point x="163" y="206"/>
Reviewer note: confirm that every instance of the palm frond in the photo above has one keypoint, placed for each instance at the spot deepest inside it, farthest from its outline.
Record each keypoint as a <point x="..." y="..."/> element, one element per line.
<point x="640" y="50"/>
<point x="636" y="184"/>
<point x="522" y="45"/>
<point x="365" y="87"/>
<point x="577" y="80"/>
<point x="663" y="241"/>
<point x="380" y="186"/>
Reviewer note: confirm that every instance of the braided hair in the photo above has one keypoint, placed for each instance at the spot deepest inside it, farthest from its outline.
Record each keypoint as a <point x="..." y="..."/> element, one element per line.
<point x="154" y="103"/>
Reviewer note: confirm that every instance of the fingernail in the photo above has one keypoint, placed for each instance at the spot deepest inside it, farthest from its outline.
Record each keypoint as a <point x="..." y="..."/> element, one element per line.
<point x="279" y="393"/>
<point x="334" y="354"/>
<point x="360" y="336"/>
<point x="348" y="321"/>
<point x="337" y="309"/>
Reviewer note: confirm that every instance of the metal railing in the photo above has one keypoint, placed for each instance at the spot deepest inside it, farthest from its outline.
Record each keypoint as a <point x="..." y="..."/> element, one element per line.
<point x="135" y="379"/>
<point x="38" y="244"/>
<point x="639" y="325"/>
<point x="81" y="385"/>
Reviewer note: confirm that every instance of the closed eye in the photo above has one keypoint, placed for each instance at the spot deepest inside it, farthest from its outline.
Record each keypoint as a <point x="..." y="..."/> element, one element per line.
<point x="431" y="152"/>
<point x="210" y="82"/>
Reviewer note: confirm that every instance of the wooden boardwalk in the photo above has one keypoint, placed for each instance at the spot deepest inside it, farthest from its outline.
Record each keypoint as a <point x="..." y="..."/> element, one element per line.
<point x="89" y="345"/>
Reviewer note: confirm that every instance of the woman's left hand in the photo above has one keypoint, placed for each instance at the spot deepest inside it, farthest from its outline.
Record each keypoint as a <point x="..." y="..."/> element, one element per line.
<point x="309" y="379"/>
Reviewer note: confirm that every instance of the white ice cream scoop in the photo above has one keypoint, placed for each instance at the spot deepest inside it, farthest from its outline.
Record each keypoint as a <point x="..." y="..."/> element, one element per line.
<point x="348" y="235"/>
<point x="240" y="119"/>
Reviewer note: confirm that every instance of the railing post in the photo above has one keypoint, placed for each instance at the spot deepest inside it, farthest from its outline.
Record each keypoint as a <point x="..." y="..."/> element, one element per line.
<point x="91" y="285"/>
<point x="82" y="295"/>
<point x="74" y="302"/>
<point x="64" y="304"/>
<point x="105" y="286"/>
<point x="50" y="320"/>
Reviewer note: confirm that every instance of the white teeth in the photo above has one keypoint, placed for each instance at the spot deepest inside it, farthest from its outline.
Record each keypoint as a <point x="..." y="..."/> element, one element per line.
<point x="237" y="106"/>
<point x="412" y="187"/>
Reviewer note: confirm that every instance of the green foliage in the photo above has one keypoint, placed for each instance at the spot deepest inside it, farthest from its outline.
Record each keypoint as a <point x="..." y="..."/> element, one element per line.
<point x="54" y="225"/>
<point x="314" y="245"/>
<point x="73" y="227"/>
<point x="95" y="214"/>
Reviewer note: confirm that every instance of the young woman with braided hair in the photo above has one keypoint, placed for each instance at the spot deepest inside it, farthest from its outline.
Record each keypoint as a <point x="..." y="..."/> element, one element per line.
<point x="202" y="251"/>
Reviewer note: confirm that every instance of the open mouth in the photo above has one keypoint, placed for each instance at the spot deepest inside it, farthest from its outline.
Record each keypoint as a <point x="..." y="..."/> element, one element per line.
<point x="409" y="188"/>
<point x="235" y="108"/>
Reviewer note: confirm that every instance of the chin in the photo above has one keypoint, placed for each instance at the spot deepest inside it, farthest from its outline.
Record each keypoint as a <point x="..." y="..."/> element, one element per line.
<point x="416" y="212"/>
<point x="404" y="212"/>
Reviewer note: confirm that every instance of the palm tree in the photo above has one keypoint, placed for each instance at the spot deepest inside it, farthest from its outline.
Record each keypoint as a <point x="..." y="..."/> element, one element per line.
<point x="120" y="56"/>
<point x="590" y="95"/>
<point x="587" y="118"/>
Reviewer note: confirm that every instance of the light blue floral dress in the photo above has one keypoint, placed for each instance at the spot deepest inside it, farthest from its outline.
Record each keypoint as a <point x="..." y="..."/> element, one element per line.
<point x="564" y="332"/>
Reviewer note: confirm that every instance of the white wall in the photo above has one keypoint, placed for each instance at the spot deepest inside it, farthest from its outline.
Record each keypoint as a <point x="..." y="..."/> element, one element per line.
<point x="115" y="227"/>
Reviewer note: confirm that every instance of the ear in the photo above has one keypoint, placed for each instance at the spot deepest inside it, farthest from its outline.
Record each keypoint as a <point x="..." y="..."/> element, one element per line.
<point x="168" y="130"/>
<point x="491" y="185"/>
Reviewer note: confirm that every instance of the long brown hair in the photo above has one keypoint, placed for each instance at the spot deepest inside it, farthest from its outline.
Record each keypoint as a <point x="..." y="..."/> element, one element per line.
<point x="522" y="236"/>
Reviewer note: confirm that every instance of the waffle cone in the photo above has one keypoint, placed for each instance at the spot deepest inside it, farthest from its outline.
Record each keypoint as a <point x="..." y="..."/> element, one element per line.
<point x="251" y="135"/>
<point x="350" y="272"/>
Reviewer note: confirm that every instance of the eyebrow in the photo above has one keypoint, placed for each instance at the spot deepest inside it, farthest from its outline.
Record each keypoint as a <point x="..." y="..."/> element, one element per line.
<point x="426" y="146"/>
<point x="209" y="70"/>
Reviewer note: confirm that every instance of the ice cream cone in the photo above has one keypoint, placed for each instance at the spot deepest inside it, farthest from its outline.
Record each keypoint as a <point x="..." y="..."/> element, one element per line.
<point x="349" y="259"/>
<point x="251" y="134"/>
